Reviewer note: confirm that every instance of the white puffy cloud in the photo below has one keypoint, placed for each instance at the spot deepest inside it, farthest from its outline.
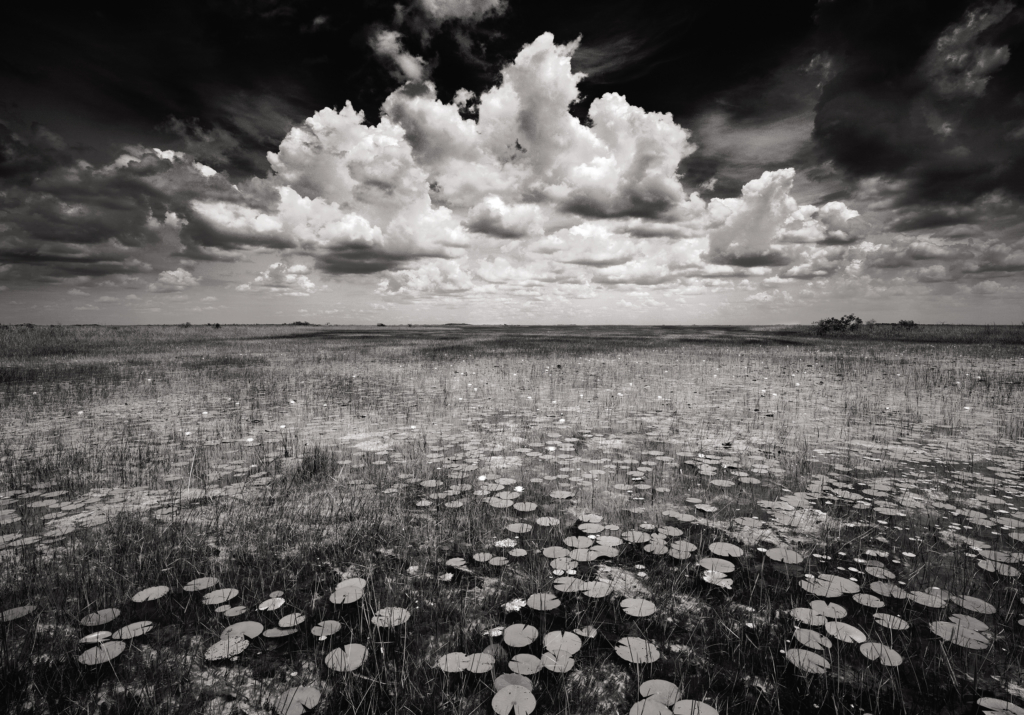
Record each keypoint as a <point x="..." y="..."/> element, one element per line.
<point x="755" y="227"/>
<point x="443" y="277"/>
<point x="425" y="196"/>
<point x="281" y="278"/>
<point x="173" y="281"/>
<point x="494" y="217"/>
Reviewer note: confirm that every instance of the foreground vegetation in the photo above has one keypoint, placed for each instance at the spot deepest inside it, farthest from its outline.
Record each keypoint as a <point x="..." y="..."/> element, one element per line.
<point x="765" y="519"/>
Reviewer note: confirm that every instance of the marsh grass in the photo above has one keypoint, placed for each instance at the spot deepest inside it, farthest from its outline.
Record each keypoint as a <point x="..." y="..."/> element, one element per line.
<point x="287" y="459"/>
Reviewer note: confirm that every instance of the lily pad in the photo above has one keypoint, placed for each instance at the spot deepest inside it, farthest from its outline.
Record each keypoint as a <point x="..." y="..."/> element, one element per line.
<point x="543" y="602"/>
<point x="132" y="630"/>
<point x="525" y="664"/>
<point x="226" y="648"/>
<point x="845" y="632"/>
<point x="520" y="635"/>
<point x="296" y="701"/>
<point x="693" y="707"/>
<point x="563" y="642"/>
<point x="390" y="617"/>
<point x="102" y="653"/>
<point x="807" y="661"/>
<point x="347" y="659"/>
<point x="662" y="691"/>
<point x="152" y="593"/>
<point x="636" y="650"/>
<point x="638" y="607"/>
<point x="200" y="584"/>
<point x="221" y="595"/>
<point x="101" y="617"/>
<point x="515" y="700"/>
<point x="248" y="629"/>
<point x="882" y="653"/>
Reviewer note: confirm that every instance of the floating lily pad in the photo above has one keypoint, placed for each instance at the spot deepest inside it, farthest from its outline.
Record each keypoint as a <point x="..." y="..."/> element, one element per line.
<point x="961" y="636"/>
<point x="543" y="602"/>
<point x="514" y="699"/>
<point x="636" y="650"/>
<point x="390" y="617"/>
<point x="563" y="642"/>
<point x="102" y="653"/>
<point x="271" y="604"/>
<point x="325" y="629"/>
<point x="346" y="659"/>
<point x="808" y="616"/>
<point x="845" y="632"/>
<point x="973" y="604"/>
<point x="132" y="630"/>
<point x="101" y="617"/>
<point x="807" y="661"/>
<point x="227" y="648"/>
<point x="97" y="637"/>
<point x="638" y="607"/>
<point x="248" y="629"/>
<point x="693" y="707"/>
<point x="661" y="691"/>
<point x="995" y="705"/>
<point x="887" y="620"/>
<point x="829" y="586"/>
<point x="882" y="653"/>
<point x="868" y="600"/>
<point x="811" y="639"/>
<point x="350" y="591"/>
<point x="297" y="701"/>
<point x="451" y="662"/>
<point x="292" y="620"/>
<point x="557" y="662"/>
<point x="221" y="595"/>
<point x="13" y="614"/>
<point x="506" y="679"/>
<point x="786" y="556"/>
<point x="525" y="664"/>
<point x="200" y="584"/>
<point x="520" y="635"/>
<point x="152" y="593"/>
<point x="725" y="550"/>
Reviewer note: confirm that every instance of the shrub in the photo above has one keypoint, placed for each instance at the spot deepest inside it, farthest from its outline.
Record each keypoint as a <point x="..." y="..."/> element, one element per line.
<point x="907" y="324"/>
<point x="320" y="463"/>
<point x="845" y="324"/>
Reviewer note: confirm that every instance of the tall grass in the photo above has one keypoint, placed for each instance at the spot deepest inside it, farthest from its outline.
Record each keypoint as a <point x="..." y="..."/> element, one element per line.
<point x="288" y="458"/>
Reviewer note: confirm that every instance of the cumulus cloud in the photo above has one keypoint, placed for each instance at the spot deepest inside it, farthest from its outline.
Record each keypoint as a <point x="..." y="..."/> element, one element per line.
<point x="291" y="280"/>
<point x="756" y="226"/>
<point x="430" y="278"/>
<point x="494" y="217"/>
<point x="173" y="281"/>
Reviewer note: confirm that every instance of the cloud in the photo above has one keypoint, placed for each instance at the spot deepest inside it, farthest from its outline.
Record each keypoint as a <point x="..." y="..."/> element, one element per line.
<point x="387" y="44"/>
<point x="428" y="278"/>
<point x="281" y="278"/>
<point x="960" y="62"/>
<point x="173" y="281"/>
<point x="755" y="226"/>
<point x="462" y="10"/>
<point x="492" y="216"/>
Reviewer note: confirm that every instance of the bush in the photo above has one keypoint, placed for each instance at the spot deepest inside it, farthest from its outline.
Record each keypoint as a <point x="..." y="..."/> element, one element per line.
<point x="319" y="464"/>
<point x="907" y="324"/>
<point x="846" y="324"/>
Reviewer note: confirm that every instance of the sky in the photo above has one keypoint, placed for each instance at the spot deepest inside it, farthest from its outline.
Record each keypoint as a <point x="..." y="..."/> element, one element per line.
<point x="512" y="161"/>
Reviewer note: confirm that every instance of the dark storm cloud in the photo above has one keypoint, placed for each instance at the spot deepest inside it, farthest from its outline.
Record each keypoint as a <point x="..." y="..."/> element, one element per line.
<point x="927" y="92"/>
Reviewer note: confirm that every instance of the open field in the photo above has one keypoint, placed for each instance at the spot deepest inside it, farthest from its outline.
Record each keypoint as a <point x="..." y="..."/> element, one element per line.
<point x="411" y="520"/>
